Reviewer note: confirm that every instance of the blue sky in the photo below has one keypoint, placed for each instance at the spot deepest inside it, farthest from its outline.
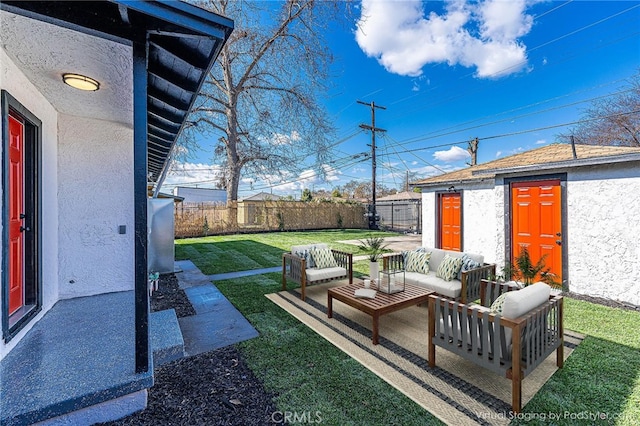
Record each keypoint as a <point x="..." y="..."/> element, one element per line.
<point x="448" y="72"/>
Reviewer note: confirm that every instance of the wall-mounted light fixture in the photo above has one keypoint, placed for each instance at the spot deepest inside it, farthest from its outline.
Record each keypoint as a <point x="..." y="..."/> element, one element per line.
<point x="81" y="82"/>
<point x="451" y="188"/>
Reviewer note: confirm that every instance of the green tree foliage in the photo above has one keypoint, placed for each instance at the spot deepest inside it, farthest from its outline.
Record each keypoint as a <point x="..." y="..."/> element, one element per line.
<point x="306" y="195"/>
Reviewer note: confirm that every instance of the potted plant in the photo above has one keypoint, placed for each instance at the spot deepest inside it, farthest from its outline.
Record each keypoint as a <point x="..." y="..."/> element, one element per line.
<point x="525" y="272"/>
<point x="373" y="247"/>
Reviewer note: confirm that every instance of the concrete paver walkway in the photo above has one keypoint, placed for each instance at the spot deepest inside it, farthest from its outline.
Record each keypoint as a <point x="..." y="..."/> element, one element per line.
<point x="238" y="274"/>
<point x="217" y="322"/>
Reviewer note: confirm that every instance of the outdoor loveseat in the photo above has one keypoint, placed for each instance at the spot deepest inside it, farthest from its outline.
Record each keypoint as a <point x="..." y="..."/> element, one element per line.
<point x="315" y="263"/>
<point x="511" y="338"/>
<point x="463" y="285"/>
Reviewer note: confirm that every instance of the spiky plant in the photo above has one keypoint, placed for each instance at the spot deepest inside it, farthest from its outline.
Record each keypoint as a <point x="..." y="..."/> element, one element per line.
<point x="373" y="247"/>
<point x="526" y="271"/>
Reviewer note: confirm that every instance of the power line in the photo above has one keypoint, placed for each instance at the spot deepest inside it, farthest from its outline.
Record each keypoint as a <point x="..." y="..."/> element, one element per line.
<point x="593" y="24"/>
<point x="515" y="117"/>
<point x="560" y="125"/>
<point x="357" y="159"/>
<point x="430" y="135"/>
<point x="553" y="10"/>
<point x="421" y="159"/>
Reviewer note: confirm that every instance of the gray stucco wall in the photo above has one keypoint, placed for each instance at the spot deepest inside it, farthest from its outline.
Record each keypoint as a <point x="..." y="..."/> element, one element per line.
<point x="95" y="176"/>
<point x="603" y="232"/>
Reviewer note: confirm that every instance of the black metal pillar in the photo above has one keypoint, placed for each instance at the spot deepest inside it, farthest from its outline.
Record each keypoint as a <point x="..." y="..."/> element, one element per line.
<point x="140" y="203"/>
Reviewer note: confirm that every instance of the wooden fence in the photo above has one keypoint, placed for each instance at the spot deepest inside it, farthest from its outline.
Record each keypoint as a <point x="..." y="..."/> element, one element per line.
<point x="201" y="219"/>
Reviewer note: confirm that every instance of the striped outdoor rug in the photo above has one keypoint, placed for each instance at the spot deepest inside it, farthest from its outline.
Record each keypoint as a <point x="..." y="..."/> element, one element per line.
<point x="456" y="391"/>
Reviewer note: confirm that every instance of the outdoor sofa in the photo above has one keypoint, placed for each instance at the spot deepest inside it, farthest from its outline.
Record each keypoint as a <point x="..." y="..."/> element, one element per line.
<point x="463" y="284"/>
<point x="510" y="335"/>
<point x="315" y="263"/>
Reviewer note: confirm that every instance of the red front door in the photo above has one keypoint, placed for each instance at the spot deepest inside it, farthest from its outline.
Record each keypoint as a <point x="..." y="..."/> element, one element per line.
<point x="450" y="220"/>
<point x="16" y="214"/>
<point x="536" y="222"/>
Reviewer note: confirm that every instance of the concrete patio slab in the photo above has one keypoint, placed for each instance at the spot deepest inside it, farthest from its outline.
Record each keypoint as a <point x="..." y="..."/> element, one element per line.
<point x="81" y="353"/>
<point x="165" y="337"/>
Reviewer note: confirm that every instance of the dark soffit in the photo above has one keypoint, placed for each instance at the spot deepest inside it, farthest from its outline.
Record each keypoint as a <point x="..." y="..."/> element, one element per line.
<point x="184" y="42"/>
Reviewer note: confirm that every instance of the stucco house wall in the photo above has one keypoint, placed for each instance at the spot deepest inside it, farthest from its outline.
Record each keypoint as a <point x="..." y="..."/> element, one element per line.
<point x="603" y="229"/>
<point x="479" y="230"/>
<point x="95" y="177"/>
<point x="17" y="84"/>
<point x="428" y="219"/>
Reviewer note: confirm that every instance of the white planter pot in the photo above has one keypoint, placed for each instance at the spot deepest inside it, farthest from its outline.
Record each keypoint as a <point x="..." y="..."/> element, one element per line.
<point x="374" y="268"/>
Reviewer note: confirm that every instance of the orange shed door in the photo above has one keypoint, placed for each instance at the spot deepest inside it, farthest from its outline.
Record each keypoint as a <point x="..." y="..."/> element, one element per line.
<point x="450" y="221"/>
<point x="536" y="222"/>
<point x="16" y="214"/>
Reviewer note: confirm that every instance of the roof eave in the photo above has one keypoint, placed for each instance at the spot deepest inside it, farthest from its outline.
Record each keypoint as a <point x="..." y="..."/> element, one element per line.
<point x="452" y="182"/>
<point x="584" y="162"/>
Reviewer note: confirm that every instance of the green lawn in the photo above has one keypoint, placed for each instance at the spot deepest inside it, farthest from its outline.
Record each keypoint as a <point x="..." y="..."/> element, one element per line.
<point x="602" y="375"/>
<point x="230" y="253"/>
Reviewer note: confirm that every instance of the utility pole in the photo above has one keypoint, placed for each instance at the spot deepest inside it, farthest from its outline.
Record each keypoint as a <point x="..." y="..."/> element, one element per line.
<point x="473" y="150"/>
<point x="373" y="223"/>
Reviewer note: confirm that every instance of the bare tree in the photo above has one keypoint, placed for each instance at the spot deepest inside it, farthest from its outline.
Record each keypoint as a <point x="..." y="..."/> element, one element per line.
<point x="260" y="102"/>
<point x="362" y="189"/>
<point x="408" y="177"/>
<point x="613" y="120"/>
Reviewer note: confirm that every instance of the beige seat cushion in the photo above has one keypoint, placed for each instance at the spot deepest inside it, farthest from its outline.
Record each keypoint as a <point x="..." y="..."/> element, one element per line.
<point x="430" y="281"/>
<point x="517" y="303"/>
<point x="325" y="273"/>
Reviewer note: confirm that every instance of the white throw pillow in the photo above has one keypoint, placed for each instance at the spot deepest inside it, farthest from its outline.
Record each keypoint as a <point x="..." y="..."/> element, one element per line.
<point x="323" y="258"/>
<point x="449" y="267"/>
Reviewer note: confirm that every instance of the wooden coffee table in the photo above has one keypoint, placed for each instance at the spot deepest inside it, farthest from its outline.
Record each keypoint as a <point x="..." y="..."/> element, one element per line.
<point x="382" y="304"/>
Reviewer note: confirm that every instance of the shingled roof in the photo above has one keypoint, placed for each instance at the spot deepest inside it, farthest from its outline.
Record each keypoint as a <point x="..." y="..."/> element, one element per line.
<point x="552" y="156"/>
<point x="402" y="196"/>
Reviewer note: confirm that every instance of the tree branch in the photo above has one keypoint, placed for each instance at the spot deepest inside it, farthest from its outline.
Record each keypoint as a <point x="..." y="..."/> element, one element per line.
<point x="278" y="33"/>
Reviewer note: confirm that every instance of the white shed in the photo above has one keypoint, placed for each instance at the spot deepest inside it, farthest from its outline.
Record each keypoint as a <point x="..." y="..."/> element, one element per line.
<point x="200" y="195"/>
<point x="579" y="210"/>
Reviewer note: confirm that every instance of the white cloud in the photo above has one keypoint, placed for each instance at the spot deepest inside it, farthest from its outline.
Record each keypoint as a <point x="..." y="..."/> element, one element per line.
<point x="541" y="142"/>
<point x="482" y="35"/>
<point x="330" y="173"/>
<point x="308" y="178"/>
<point x="428" y="171"/>
<point x="282" y="139"/>
<point x="455" y="153"/>
<point x="498" y="154"/>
